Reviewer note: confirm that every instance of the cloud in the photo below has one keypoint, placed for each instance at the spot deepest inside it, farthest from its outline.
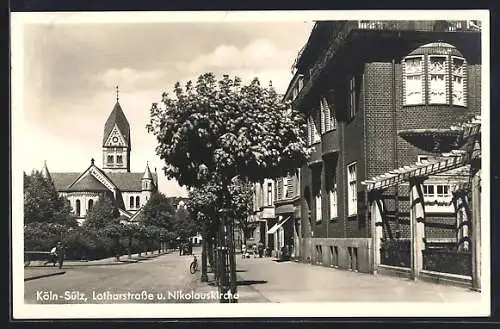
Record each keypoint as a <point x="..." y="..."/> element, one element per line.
<point x="129" y="78"/>
<point x="258" y="54"/>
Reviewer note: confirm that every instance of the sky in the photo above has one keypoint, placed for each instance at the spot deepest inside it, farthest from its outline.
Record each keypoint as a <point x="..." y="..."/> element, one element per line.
<point x="71" y="72"/>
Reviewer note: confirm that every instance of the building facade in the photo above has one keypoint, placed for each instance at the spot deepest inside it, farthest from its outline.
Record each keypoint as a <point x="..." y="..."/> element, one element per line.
<point x="129" y="190"/>
<point x="379" y="95"/>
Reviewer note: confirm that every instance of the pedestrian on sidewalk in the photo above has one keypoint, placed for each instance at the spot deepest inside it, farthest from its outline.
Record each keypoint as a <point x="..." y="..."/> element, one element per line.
<point x="60" y="254"/>
<point x="52" y="257"/>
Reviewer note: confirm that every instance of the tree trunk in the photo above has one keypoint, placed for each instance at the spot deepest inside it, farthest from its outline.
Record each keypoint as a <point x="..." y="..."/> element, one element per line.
<point x="232" y="259"/>
<point x="129" y="247"/>
<point x="117" y="246"/>
<point x="204" y="242"/>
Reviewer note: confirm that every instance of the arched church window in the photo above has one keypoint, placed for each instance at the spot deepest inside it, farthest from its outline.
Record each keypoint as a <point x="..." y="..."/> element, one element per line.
<point x="110" y="159"/>
<point x="91" y="203"/>
<point x="131" y="202"/>
<point x="119" y="159"/>
<point x="137" y="201"/>
<point x="78" y="209"/>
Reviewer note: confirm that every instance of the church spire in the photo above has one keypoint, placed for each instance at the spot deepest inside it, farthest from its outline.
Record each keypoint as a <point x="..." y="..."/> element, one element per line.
<point x="117" y="94"/>
<point x="45" y="171"/>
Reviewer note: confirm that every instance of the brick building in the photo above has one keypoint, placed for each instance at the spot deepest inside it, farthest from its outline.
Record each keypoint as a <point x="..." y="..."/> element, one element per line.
<point x="378" y="95"/>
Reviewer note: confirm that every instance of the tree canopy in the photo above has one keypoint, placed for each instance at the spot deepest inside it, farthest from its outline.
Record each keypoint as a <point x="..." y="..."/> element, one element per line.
<point x="42" y="203"/>
<point x="103" y="213"/>
<point x="223" y="128"/>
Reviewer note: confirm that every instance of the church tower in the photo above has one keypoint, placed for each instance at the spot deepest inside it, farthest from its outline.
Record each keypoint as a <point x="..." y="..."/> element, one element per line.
<point x="148" y="185"/>
<point x="116" y="142"/>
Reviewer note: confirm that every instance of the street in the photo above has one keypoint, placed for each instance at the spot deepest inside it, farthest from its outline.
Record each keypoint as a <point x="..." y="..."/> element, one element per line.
<point x="164" y="279"/>
<point x="147" y="281"/>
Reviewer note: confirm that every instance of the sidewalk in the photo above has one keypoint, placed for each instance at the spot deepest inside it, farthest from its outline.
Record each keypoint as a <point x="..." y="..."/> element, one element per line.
<point x="99" y="262"/>
<point x="262" y="280"/>
<point x="41" y="272"/>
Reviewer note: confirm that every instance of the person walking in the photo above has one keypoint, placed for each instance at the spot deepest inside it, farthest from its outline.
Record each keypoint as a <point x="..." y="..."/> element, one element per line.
<point x="52" y="257"/>
<point x="60" y="254"/>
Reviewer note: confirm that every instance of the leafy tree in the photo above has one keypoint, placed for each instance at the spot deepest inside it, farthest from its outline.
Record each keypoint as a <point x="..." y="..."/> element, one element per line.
<point x="184" y="225"/>
<point x="213" y="131"/>
<point x="103" y="212"/>
<point x="225" y="128"/>
<point x="158" y="212"/>
<point x="42" y="202"/>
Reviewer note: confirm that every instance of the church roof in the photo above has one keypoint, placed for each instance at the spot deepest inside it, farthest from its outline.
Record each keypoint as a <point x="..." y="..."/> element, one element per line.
<point x="117" y="117"/>
<point x="62" y="180"/>
<point x="125" y="181"/>
<point x="88" y="183"/>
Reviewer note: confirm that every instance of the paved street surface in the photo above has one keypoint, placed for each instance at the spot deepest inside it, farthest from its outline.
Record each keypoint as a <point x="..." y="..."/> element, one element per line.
<point x="265" y="280"/>
<point x="145" y="281"/>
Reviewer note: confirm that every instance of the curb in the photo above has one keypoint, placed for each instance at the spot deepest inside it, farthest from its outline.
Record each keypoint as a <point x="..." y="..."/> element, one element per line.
<point x="44" y="276"/>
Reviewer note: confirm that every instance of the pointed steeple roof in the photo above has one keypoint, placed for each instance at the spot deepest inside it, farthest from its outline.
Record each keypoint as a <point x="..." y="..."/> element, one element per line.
<point x="45" y="171"/>
<point x="147" y="173"/>
<point x="117" y="117"/>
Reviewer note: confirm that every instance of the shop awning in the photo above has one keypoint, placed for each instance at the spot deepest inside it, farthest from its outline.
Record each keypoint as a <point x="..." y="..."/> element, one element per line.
<point x="277" y="226"/>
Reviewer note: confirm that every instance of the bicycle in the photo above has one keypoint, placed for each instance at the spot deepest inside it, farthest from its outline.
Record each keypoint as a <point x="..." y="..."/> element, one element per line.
<point x="193" y="267"/>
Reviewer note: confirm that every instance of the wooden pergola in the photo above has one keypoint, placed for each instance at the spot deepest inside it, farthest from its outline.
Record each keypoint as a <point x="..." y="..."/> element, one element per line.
<point x="415" y="175"/>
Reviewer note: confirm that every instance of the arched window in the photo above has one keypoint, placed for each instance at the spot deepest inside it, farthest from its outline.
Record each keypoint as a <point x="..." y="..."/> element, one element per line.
<point x="78" y="208"/>
<point x="91" y="203"/>
<point x="137" y="201"/>
<point x="131" y="202"/>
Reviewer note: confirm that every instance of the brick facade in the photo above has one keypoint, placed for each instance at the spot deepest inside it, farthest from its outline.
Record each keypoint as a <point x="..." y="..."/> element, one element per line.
<point x="371" y="140"/>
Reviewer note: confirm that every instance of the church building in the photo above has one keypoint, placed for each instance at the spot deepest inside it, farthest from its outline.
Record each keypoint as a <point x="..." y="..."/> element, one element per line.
<point x="129" y="190"/>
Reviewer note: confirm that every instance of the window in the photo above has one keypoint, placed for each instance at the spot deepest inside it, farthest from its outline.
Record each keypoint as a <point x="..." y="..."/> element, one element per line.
<point x="438" y="80"/>
<point x="436" y="191"/>
<point x="110" y="159"/>
<point x="269" y="194"/>
<point x="422" y="158"/>
<point x="119" y="159"/>
<point x="78" y="208"/>
<point x="137" y="201"/>
<point x="318" y="205"/>
<point x="317" y="193"/>
<point x="413" y="81"/>
<point x="351" y="102"/>
<point x="333" y="196"/>
<point x="313" y="136"/>
<point x="428" y="191"/>
<point x="91" y="203"/>
<point x="131" y="202"/>
<point x="458" y="81"/>
<point x="328" y="121"/>
<point x="442" y="191"/>
<point x="352" y="193"/>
